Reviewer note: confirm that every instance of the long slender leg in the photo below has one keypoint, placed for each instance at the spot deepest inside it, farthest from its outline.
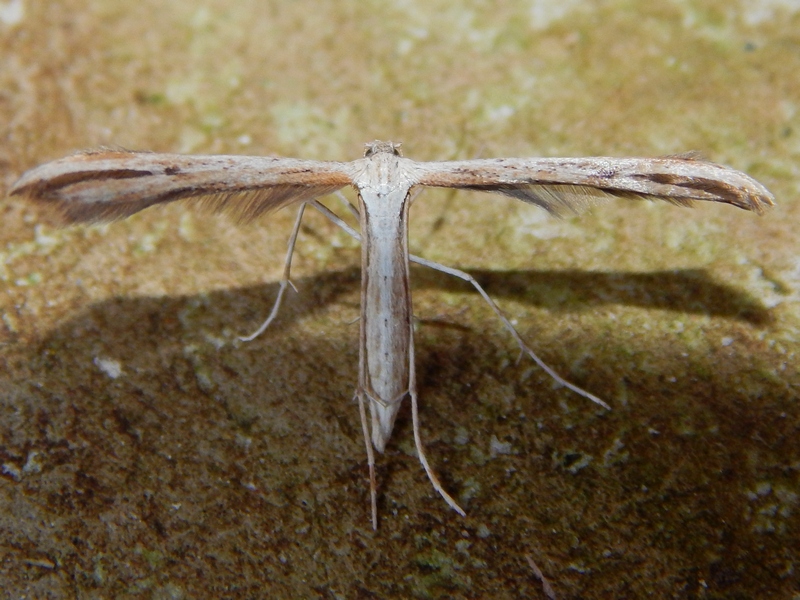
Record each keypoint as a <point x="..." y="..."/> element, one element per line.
<point x="285" y="281"/>
<point x="335" y="219"/>
<point x="347" y="204"/>
<point x="373" y="486"/>
<point x="412" y="372"/>
<point x="470" y="279"/>
<point x="522" y="345"/>
<point x="412" y="391"/>
<point x="444" y="269"/>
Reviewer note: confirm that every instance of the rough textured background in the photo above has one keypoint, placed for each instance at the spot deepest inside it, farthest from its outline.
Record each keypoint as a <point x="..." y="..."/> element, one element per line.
<point x="146" y="453"/>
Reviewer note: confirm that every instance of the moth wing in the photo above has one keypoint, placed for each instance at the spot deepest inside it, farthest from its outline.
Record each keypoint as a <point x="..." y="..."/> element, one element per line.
<point x="106" y="185"/>
<point x="562" y="185"/>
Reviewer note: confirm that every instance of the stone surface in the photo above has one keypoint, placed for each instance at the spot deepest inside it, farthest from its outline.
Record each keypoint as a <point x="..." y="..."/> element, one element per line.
<point x="145" y="452"/>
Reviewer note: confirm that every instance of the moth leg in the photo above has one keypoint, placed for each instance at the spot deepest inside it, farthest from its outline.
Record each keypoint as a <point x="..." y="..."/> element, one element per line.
<point x="413" y="388"/>
<point x="470" y="279"/>
<point x="373" y="487"/>
<point x="335" y="219"/>
<point x="522" y="345"/>
<point x="412" y="391"/>
<point x="285" y="281"/>
<point x="347" y="204"/>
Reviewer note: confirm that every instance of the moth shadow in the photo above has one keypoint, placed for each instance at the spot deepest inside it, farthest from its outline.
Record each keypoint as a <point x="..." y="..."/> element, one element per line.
<point x="680" y="291"/>
<point x="145" y="423"/>
<point x="161" y="360"/>
<point x="144" y="397"/>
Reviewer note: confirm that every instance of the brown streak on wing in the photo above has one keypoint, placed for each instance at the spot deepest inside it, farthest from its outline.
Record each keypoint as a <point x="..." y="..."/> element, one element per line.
<point x="44" y="188"/>
<point x="102" y="186"/>
<point x="722" y="191"/>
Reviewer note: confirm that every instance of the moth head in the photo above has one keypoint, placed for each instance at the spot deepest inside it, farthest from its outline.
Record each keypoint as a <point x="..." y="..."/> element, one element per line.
<point x="378" y="146"/>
